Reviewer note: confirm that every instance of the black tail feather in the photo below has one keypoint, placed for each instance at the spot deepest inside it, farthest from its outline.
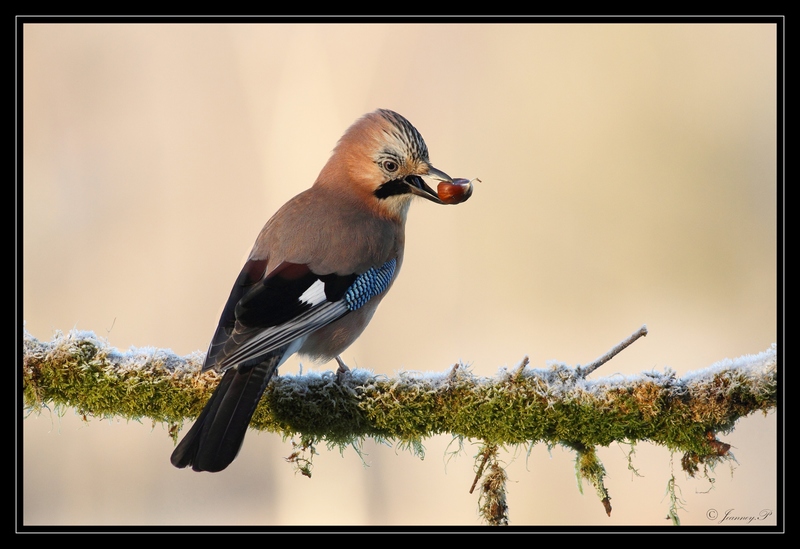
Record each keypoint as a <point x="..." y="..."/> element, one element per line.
<point x="216" y="436"/>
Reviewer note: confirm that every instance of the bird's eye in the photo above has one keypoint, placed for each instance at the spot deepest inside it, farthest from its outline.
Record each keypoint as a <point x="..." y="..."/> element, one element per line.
<point x="390" y="166"/>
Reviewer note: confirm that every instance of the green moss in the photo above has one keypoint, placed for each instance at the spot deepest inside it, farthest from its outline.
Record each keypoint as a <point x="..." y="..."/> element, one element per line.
<point x="527" y="407"/>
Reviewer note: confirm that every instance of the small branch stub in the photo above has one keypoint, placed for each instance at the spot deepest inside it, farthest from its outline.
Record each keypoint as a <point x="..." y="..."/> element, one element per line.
<point x="493" y="504"/>
<point x="594" y="365"/>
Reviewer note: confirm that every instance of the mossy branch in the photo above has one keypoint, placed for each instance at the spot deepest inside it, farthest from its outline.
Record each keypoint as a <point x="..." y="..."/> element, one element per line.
<point x="523" y="406"/>
<point x="556" y="405"/>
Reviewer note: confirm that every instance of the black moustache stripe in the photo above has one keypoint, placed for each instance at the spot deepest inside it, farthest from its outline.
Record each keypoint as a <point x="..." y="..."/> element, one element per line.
<point x="392" y="188"/>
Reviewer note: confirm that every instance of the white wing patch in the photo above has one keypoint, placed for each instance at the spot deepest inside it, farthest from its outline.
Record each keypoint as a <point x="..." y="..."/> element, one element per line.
<point x="315" y="294"/>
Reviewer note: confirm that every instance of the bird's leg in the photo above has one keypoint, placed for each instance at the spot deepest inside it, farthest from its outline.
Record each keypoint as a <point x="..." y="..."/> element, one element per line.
<point x="342" y="371"/>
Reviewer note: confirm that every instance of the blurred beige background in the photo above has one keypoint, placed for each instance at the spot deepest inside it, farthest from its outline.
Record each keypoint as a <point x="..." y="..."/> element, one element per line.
<point x="629" y="178"/>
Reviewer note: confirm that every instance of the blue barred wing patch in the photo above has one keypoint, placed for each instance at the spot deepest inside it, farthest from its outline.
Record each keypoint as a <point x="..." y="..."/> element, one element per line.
<point x="369" y="284"/>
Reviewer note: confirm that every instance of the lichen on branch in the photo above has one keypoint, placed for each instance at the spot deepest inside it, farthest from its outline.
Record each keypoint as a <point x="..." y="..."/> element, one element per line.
<point x="526" y="405"/>
<point x="555" y="405"/>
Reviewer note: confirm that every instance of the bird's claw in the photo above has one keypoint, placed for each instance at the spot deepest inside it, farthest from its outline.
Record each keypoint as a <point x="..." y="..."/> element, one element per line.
<point x="343" y="371"/>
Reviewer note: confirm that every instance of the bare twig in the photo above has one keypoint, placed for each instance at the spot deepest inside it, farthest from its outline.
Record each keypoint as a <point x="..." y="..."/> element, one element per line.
<point x="479" y="474"/>
<point x="594" y="365"/>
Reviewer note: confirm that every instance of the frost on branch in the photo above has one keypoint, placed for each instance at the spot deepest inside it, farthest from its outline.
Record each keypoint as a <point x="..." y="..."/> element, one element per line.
<point x="555" y="405"/>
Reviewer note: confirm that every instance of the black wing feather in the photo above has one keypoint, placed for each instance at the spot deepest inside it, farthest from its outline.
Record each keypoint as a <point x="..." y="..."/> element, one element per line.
<point x="265" y="311"/>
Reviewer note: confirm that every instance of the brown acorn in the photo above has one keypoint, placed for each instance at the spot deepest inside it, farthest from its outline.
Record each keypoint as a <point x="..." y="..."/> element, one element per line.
<point x="455" y="192"/>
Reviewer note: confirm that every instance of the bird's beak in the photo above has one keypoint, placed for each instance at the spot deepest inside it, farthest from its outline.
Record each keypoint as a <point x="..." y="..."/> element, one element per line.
<point x="439" y="175"/>
<point x="420" y="188"/>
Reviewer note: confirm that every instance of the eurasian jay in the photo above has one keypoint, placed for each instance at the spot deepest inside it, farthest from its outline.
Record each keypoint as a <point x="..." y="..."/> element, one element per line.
<point x="314" y="278"/>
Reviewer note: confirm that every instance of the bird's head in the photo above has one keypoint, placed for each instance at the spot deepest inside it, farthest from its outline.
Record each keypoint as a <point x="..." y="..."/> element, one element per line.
<point x="384" y="155"/>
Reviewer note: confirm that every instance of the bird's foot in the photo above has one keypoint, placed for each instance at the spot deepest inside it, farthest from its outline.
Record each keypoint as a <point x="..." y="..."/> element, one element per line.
<point x="343" y="371"/>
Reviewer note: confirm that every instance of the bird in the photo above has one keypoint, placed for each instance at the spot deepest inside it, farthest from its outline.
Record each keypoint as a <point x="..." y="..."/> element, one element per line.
<point x="314" y="278"/>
